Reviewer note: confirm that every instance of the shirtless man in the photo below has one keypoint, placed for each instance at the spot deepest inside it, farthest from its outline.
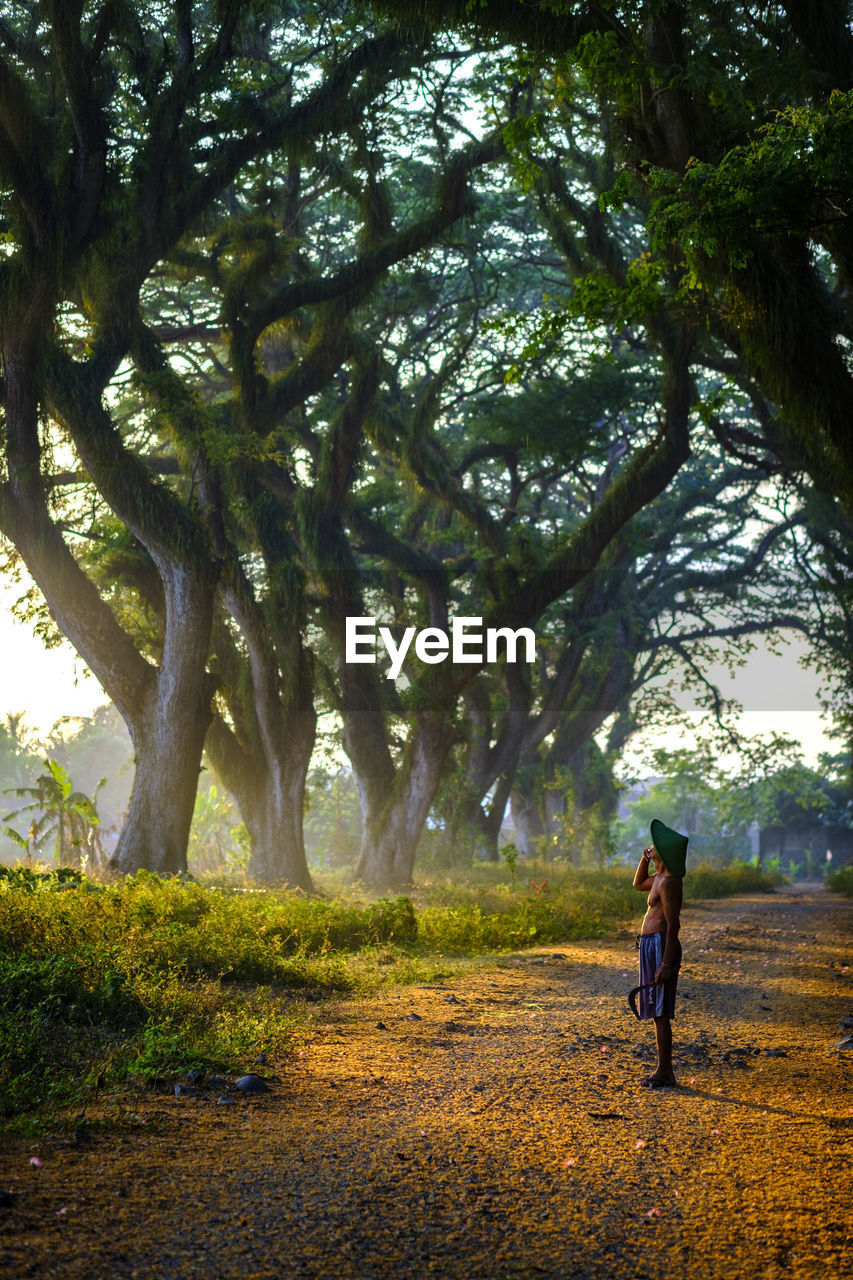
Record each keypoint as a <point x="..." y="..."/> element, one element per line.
<point x="659" y="874"/>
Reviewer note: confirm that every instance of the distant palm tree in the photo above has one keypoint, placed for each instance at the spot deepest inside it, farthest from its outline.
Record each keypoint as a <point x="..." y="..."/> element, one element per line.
<point x="67" y="816"/>
<point x="19" y="749"/>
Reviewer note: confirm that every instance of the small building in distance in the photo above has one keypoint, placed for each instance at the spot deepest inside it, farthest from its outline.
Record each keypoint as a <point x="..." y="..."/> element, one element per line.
<point x="805" y="845"/>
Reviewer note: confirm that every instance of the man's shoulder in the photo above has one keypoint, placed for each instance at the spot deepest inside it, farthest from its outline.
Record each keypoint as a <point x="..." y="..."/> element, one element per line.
<point x="672" y="889"/>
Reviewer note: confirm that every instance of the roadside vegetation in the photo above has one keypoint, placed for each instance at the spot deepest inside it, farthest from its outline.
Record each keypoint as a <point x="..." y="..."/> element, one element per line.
<point x="841" y="881"/>
<point x="114" y="987"/>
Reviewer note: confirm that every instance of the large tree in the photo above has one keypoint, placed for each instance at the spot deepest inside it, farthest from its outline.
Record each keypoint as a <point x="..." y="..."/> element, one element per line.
<point x="730" y="128"/>
<point x="294" y="451"/>
<point x="115" y="138"/>
<point x="327" y="401"/>
<point x="274" y="330"/>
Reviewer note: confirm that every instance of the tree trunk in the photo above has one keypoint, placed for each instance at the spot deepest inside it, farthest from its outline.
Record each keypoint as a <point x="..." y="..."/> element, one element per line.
<point x="263" y="759"/>
<point x="275" y="831"/>
<point x="155" y="833"/>
<point x="62" y="842"/>
<point x="392" y="828"/>
<point x="476" y="830"/>
<point x="168" y="732"/>
<point x="526" y="821"/>
<point x="477" y="827"/>
<point x="270" y="794"/>
<point x="491" y="822"/>
<point x="468" y="839"/>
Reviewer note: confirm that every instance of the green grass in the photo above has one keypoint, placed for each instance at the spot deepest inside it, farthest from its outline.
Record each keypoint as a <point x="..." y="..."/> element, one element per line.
<point x="841" y="881"/>
<point x="704" y="881"/>
<point x="104" y="986"/>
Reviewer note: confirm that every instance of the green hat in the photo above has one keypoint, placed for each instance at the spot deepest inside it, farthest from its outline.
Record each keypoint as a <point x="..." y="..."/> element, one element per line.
<point x="671" y="846"/>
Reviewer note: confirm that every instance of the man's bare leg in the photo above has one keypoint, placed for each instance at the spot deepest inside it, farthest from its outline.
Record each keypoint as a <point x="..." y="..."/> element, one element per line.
<point x="664" y="1074"/>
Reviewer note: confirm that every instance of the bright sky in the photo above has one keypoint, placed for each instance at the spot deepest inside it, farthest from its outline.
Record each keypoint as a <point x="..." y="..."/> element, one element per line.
<point x="45" y="684"/>
<point x="776" y="693"/>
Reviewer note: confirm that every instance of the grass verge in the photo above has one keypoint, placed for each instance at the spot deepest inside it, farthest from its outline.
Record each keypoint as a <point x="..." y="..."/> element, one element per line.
<point x="108" y="986"/>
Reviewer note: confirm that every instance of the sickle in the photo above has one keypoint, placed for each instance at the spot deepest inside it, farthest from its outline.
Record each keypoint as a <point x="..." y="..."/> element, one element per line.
<point x="632" y="996"/>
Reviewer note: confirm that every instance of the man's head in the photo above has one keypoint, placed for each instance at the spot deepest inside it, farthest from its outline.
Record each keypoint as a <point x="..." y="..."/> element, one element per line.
<point x="670" y="846"/>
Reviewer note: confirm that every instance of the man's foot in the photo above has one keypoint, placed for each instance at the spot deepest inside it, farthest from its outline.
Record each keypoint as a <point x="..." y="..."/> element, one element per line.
<point x="657" y="1081"/>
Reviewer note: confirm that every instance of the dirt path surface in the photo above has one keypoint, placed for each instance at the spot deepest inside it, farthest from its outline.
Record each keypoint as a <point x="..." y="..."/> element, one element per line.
<point x="492" y="1127"/>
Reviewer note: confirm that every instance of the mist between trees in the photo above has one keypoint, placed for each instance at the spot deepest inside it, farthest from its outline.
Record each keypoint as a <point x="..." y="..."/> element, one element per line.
<point x="310" y="312"/>
<point x="734" y="816"/>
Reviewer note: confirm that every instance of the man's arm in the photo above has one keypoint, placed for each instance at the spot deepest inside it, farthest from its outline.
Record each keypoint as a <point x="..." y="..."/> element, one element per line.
<point x="642" y="879"/>
<point x="671" y="891"/>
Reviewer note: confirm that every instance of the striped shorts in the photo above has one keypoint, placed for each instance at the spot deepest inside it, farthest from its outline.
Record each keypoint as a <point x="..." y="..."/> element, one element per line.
<point x="659" y="1003"/>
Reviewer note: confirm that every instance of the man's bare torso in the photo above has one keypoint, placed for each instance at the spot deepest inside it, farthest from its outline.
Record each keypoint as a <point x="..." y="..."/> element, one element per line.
<point x="654" y="921"/>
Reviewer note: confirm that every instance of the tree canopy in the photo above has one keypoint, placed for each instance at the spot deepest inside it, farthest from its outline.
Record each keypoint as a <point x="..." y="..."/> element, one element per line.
<point x="310" y="313"/>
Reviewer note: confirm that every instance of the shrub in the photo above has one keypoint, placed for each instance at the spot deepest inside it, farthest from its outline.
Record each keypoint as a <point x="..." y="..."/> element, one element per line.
<point x="841" y="881"/>
<point x="144" y="977"/>
<point x="55" y="1009"/>
<point x="705" y="881"/>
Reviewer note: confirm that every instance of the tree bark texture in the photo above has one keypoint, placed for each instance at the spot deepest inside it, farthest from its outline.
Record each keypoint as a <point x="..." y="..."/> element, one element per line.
<point x="168" y="732"/>
<point x="270" y="795"/>
<point x="393" y="826"/>
<point x="528" y="828"/>
<point x="263" y="757"/>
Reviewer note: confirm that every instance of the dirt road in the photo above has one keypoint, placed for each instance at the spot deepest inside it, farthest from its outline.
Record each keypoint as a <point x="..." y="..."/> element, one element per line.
<point x="492" y="1127"/>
